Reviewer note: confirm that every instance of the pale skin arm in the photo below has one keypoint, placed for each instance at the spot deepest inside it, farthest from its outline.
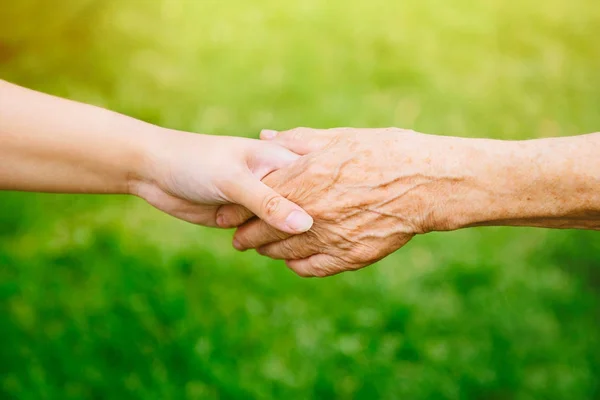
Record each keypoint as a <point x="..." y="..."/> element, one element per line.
<point x="371" y="190"/>
<point x="48" y="144"/>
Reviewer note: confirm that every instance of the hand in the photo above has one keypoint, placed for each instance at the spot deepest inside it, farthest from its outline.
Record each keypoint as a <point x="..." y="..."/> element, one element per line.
<point x="190" y="175"/>
<point x="369" y="190"/>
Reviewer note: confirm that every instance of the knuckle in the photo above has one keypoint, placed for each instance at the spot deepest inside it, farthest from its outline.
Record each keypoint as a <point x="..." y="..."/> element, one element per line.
<point x="288" y="250"/>
<point x="317" y="169"/>
<point x="364" y="253"/>
<point x="298" y="134"/>
<point x="237" y="218"/>
<point x="329" y="269"/>
<point x="269" y="251"/>
<point x="248" y="238"/>
<point x="323" y="236"/>
<point x="240" y="213"/>
<point x="230" y="215"/>
<point x="276" y="234"/>
<point x="317" y="142"/>
<point x="243" y="241"/>
<point x="271" y="204"/>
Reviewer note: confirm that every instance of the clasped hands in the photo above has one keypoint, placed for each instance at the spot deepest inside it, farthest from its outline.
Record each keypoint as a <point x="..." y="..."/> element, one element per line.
<point x="368" y="191"/>
<point x="363" y="208"/>
<point x="326" y="201"/>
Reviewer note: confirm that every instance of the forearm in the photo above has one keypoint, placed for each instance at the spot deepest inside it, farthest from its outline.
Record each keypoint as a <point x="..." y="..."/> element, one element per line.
<point x="49" y="144"/>
<point x="553" y="183"/>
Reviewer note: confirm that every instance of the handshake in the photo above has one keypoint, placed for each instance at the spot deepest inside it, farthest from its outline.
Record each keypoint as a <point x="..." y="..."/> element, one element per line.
<point x="328" y="201"/>
<point x="325" y="201"/>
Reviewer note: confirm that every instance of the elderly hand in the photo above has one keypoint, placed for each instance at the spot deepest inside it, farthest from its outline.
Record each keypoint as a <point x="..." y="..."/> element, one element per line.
<point x="369" y="192"/>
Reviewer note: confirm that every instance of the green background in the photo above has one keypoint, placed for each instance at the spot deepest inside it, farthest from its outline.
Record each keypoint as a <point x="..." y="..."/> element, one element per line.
<point x="105" y="298"/>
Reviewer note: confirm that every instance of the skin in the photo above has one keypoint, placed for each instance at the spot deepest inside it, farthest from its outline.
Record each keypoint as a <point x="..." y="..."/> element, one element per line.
<point x="371" y="190"/>
<point x="48" y="144"/>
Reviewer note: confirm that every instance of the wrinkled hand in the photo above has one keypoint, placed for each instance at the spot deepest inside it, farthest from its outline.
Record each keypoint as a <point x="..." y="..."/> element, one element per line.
<point x="369" y="191"/>
<point x="190" y="175"/>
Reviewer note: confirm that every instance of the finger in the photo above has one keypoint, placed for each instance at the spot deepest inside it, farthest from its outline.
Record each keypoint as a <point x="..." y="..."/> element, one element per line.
<point x="186" y="210"/>
<point x="232" y="215"/>
<point x="198" y="215"/>
<point x="268" y="205"/>
<point x="300" y="140"/>
<point x="256" y="233"/>
<point x="269" y="157"/>
<point x="294" y="248"/>
<point x="319" y="265"/>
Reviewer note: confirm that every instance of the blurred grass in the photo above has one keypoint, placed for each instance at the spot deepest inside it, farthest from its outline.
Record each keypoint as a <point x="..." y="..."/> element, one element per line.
<point x="102" y="297"/>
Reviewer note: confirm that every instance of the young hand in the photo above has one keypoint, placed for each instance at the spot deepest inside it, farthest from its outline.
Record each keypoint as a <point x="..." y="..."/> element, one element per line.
<point x="190" y="175"/>
<point x="49" y="144"/>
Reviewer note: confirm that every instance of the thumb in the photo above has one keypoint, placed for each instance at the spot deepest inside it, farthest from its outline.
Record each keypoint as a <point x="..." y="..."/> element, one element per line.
<point x="271" y="158"/>
<point x="300" y="140"/>
<point x="269" y="205"/>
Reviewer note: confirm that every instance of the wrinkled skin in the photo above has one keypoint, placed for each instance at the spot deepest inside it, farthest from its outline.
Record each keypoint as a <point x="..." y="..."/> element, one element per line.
<point x="369" y="192"/>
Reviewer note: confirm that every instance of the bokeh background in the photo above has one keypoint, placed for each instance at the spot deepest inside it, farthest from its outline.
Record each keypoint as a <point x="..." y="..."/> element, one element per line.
<point x="102" y="297"/>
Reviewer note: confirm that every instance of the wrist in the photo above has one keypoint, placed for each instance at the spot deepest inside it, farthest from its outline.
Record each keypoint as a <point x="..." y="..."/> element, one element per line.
<point x="489" y="176"/>
<point x="145" y="163"/>
<point x="538" y="183"/>
<point x="166" y="164"/>
<point x="439" y="179"/>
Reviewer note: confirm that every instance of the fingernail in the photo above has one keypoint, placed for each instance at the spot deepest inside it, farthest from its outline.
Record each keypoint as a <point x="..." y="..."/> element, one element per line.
<point x="237" y="245"/>
<point x="221" y="221"/>
<point x="268" y="134"/>
<point x="299" y="221"/>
